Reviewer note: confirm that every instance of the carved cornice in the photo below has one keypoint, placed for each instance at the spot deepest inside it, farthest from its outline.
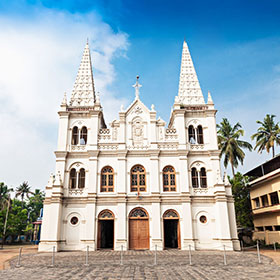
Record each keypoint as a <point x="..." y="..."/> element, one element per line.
<point x="63" y="113"/>
<point x="61" y="154"/>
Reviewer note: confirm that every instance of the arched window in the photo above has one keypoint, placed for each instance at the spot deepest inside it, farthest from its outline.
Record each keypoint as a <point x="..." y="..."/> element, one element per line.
<point x="169" y="183"/>
<point x="199" y="135"/>
<point x="138" y="212"/>
<point x="107" y="179"/>
<point x="75" y="135"/>
<point x="73" y="178"/>
<point x="195" y="183"/>
<point x="83" y="136"/>
<point x="138" y="178"/>
<point x="106" y="215"/>
<point x="170" y="214"/>
<point x="82" y="178"/>
<point x="203" y="178"/>
<point x="191" y="134"/>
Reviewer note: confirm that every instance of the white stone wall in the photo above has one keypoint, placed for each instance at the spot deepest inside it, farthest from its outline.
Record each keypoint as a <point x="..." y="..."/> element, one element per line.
<point x="138" y="137"/>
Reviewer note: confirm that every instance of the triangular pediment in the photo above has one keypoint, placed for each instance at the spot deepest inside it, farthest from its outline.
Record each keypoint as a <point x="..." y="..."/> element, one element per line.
<point x="137" y="108"/>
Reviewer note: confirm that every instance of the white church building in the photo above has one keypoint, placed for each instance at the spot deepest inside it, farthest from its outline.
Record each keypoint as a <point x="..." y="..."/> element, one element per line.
<point x="138" y="183"/>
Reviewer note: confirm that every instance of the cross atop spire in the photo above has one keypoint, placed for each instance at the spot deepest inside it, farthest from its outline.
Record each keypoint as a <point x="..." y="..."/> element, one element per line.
<point x="137" y="86"/>
<point x="189" y="88"/>
<point x="83" y="93"/>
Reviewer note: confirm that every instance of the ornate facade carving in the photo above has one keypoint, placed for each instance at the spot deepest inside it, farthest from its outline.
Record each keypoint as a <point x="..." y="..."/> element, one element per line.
<point x="137" y="132"/>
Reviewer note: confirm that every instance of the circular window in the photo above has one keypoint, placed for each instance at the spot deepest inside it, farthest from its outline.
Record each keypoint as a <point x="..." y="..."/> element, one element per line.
<point x="74" y="220"/>
<point x="203" y="219"/>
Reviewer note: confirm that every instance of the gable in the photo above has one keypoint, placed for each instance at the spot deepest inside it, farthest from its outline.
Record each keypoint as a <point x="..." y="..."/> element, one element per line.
<point x="137" y="110"/>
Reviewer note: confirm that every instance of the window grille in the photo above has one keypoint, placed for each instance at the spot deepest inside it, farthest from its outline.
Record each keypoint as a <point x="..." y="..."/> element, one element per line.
<point x="169" y="182"/>
<point x="107" y="179"/>
<point x="138" y="178"/>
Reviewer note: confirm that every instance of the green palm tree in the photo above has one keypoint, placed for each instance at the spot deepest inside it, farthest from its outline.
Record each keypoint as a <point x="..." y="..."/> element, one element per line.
<point x="230" y="145"/>
<point x="4" y="195"/>
<point x="23" y="190"/>
<point x="268" y="135"/>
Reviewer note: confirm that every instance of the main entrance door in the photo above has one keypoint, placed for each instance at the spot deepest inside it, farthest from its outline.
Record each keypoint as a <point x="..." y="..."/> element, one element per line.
<point x="138" y="229"/>
<point x="171" y="229"/>
<point x="105" y="238"/>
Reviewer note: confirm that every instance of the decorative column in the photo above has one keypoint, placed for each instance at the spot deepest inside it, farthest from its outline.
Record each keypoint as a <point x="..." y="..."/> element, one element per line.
<point x="156" y="225"/>
<point x="51" y="226"/>
<point x="121" y="220"/>
<point x="222" y="217"/>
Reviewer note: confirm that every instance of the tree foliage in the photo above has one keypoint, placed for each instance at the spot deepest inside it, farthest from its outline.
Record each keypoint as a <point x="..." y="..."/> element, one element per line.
<point x="24" y="190"/>
<point x="35" y="204"/>
<point x="4" y="195"/>
<point x="241" y="194"/>
<point x="21" y="213"/>
<point x="230" y="144"/>
<point x="267" y="135"/>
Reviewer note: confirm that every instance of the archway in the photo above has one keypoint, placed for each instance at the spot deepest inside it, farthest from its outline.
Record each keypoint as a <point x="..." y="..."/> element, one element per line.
<point x="138" y="229"/>
<point x="105" y="238"/>
<point x="171" y="227"/>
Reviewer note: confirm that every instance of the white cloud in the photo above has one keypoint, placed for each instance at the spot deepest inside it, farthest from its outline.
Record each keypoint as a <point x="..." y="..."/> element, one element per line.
<point x="39" y="59"/>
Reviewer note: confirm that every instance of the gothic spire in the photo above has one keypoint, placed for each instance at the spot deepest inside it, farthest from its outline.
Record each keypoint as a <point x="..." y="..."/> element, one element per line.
<point x="83" y="93"/>
<point x="189" y="88"/>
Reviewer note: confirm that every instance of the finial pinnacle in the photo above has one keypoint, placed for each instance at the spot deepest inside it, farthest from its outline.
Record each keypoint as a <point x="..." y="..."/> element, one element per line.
<point x="64" y="100"/>
<point x="98" y="98"/>
<point x="137" y="87"/>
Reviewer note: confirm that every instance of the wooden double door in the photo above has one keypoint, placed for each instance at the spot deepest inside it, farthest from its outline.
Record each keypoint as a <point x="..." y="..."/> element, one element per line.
<point x="139" y="230"/>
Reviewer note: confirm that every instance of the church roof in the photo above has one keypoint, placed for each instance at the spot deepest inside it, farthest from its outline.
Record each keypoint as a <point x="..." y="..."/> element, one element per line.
<point x="83" y="93"/>
<point x="189" y="87"/>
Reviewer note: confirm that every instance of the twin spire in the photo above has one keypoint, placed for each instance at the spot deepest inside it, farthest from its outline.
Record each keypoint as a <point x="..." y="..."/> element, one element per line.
<point x="189" y="87"/>
<point x="190" y="93"/>
<point x="83" y="93"/>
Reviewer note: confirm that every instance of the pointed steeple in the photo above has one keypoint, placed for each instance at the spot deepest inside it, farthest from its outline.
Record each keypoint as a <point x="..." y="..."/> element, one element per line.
<point x="189" y="87"/>
<point x="83" y="93"/>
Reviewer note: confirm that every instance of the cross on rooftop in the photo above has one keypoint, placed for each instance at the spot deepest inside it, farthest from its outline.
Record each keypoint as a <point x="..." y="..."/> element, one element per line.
<point x="137" y="87"/>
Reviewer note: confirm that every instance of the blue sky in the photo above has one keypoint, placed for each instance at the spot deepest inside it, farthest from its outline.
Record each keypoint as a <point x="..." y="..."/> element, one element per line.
<point x="235" y="46"/>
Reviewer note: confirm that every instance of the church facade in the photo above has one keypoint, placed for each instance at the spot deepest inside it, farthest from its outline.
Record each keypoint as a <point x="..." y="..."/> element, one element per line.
<point x="139" y="183"/>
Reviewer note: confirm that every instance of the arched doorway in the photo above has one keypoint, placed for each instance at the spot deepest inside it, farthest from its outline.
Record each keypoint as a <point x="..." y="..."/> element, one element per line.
<point x="171" y="227"/>
<point x="138" y="229"/>
<point x="105" y="238"/>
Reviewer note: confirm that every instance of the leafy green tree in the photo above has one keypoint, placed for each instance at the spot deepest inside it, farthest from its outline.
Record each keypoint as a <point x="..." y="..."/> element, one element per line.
<point x="241" y="194"/>
<point x="23" y="190"/>
<point x="230" y="145"/>
<point x="17" y="220"/>
<point x="34" y="204"/>
<point x="268" y="135"/>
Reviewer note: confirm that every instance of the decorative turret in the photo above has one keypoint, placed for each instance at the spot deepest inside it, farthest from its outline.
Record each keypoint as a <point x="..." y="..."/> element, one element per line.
<point x="64" y="100"/>
<point x="83" y="93"/>
<point x="189" y="87"/>
<point x="210" y="102"/>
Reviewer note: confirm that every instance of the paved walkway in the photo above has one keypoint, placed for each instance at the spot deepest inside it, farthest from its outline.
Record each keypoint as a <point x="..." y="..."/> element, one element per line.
<point x="10" y="251"/>
<point x="140" y="265"/>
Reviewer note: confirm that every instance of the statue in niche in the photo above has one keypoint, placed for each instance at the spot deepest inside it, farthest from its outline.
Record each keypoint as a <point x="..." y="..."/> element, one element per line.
<point x="137" y="132"/>
<point x="161" y="133"/>
<point x="115" y="133"/>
